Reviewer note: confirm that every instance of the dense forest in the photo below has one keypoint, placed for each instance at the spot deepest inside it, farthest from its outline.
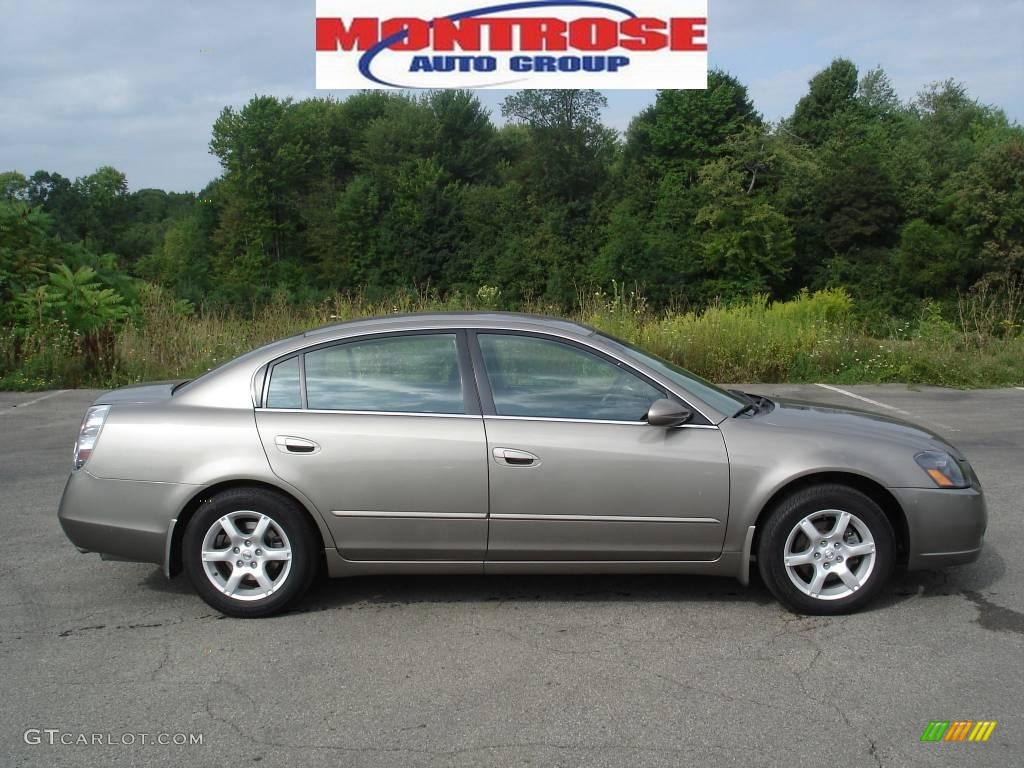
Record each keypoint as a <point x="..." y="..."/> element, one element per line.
<point x="906" y="206"/>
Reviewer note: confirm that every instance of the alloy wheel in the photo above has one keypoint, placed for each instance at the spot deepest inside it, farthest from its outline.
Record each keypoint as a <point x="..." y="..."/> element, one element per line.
<point x="246" y="555"/>
<point x="829" y="554"/>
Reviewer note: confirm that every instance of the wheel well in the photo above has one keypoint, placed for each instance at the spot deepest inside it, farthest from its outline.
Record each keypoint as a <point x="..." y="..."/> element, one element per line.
<point x="876" y="492"/>
<point x="174" y="556"/>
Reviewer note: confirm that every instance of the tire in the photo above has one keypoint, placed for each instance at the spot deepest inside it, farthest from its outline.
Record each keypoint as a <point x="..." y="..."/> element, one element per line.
<point x="265" y="532"/>
<point x="839" y="569"/>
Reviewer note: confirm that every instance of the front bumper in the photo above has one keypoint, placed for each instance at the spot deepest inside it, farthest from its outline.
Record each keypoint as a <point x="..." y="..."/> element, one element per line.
<point x="121" y="519"/>
<point x="946" y="526"/>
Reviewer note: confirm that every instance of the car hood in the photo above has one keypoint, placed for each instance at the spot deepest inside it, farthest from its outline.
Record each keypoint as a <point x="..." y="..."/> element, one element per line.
<point x="150" y="392"/>
<point x="814" y="417"/>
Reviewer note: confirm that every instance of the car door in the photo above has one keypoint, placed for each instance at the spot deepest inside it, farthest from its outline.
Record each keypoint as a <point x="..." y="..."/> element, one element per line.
<point x="384" y="435"/>
<point x="576" y="472"/>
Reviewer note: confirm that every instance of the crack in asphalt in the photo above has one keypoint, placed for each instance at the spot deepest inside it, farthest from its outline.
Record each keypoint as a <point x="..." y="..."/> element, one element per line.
<point x="166" y="657"/>
<point x="873" y="751"/>
<point x="77" y="630"/>
<point x="255" y="740"/>
<point x="819" y="651"/>
<point x="137" y="625"/>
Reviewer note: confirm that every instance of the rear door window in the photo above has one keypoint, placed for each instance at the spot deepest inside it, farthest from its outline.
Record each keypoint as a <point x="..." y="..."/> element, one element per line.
<point x="395" y="374"/>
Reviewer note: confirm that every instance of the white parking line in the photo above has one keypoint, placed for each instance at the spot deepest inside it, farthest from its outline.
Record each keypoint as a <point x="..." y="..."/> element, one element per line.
<point x="27" y="403"/>
<point x="888" y="407"/>
<point x="863" y="399"/>
<point x="1021" y="388"/>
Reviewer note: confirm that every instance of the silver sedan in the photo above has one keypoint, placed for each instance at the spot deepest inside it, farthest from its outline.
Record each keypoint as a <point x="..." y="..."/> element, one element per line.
<point x="487" y="443"/>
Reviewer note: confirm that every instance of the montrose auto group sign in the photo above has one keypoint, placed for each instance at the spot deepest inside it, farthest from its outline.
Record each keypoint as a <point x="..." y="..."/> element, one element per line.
<point x="528" y="44"/>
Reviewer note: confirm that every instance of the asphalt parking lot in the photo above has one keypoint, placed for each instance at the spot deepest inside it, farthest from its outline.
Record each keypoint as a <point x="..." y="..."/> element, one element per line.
<point x="523" y="671"/>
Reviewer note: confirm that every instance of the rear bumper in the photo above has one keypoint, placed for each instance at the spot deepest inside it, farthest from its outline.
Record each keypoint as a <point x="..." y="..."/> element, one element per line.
<point x="120" y="519"/>
<point x="946" y="527"/>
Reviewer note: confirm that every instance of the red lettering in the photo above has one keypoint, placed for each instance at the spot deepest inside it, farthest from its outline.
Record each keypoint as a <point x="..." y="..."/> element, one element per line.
<point x="331" y="34"/>
<point x="687" y="32"/>
<point x="643" y="35"/>
<point x="418" y="36"/>
<point x="499" y="34"/>
<point x="541" y="34"/>
<point x="593" y="34"/>
<point x="523" y="34"/>
<point x="465" y="34"/>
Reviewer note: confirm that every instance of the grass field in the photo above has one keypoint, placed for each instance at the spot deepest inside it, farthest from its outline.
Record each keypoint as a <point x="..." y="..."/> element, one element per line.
<point x="812" y="338"/>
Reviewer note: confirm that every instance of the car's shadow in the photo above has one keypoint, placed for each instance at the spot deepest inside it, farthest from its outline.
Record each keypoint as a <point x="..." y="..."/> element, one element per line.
<point x="330" y="594"/>
<point x="335" y="594"/>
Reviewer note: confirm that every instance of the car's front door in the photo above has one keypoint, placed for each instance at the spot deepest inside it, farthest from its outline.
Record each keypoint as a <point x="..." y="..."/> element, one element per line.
<point x="576" y="473"/>
<point x="383" y="434"/>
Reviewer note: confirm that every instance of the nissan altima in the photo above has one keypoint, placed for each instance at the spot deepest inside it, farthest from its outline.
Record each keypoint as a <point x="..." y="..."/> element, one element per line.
<point x="484" y="443"/>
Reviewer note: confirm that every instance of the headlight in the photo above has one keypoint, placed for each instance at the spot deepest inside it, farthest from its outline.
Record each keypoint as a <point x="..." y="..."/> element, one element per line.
<point x="942" y="468"/>
<point x="89" y="433"/>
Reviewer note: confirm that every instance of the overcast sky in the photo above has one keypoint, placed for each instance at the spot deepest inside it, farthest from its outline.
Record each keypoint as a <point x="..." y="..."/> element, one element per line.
<point x="123" y="82"/>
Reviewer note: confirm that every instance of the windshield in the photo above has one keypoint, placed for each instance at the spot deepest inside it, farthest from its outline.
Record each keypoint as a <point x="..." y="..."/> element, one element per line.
<point x="722" y="401"/>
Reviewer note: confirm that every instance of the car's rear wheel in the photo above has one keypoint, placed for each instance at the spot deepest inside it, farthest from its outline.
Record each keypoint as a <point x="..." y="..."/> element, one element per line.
<point x="249" y="552"/>
<point x="827" y="549"/>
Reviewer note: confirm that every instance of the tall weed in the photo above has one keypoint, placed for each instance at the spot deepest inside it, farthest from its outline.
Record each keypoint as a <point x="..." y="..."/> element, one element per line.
<point x="813" y="337"/>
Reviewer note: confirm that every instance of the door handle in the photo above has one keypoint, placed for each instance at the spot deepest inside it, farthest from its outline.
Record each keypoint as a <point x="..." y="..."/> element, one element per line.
<point x="513" y="457"/>
<point x="288" y="444"/>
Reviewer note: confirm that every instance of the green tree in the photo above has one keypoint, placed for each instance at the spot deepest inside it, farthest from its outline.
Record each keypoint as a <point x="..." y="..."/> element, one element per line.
<point x="464" y="137"/>
<point x="265" y="161"/>
<point x="833" y="93"/>
<point x="13" y="186"/>
<point x="102" y="211"/>
<point x="569" y="151"/>
<point x="877" y="95"/>
<point x="927" y="260"/>
<point x="745" y="244"/>
<point x="26" y="250"/>
<point x="988" y="207"/>
<point x="689" y="128"/>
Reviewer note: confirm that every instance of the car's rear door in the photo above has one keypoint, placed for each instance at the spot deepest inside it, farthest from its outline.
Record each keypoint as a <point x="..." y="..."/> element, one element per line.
<point x="576" y="472"/>
<point x="384" y="435"/>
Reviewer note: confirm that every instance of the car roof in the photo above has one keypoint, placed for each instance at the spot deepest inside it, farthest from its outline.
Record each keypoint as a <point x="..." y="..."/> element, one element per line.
<point x="456" y="320"/>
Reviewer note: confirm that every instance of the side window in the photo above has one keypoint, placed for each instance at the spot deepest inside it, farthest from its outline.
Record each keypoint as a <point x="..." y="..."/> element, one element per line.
<point x="406" y="374"/>
<point x="537" y="377"/>
<point x="283" y="391"/>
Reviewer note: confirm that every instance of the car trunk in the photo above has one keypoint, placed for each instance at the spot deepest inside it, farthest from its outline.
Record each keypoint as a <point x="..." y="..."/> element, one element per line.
<point x="150" y="392"/>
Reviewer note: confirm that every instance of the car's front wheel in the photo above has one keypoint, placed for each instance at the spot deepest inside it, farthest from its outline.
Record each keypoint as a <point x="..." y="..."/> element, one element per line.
<point x="827" y="549"/>
<point x="249" y="552"/>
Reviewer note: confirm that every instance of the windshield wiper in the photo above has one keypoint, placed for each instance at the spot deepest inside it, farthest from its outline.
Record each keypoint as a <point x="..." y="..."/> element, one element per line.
<point x="751" y="408"/>
<point x="755" y="403"/>
<point x="741" y="395"/>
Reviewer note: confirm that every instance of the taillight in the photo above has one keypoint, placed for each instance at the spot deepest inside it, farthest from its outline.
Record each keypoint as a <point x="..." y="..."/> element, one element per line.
<point x="89" y="434"/>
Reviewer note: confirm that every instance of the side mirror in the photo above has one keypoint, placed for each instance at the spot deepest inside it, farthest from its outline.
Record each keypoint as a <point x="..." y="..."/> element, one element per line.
<point x="667" y="413"/>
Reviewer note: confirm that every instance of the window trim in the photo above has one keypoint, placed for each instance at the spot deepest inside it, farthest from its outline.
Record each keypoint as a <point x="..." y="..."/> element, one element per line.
<point x="256" y="389"/>
<point x="470" y="397"/>
<point x="487" y="396"/>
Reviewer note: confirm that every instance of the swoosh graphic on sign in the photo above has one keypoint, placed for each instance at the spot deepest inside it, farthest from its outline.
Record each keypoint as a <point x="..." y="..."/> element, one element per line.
<point x="367" y="58"/>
